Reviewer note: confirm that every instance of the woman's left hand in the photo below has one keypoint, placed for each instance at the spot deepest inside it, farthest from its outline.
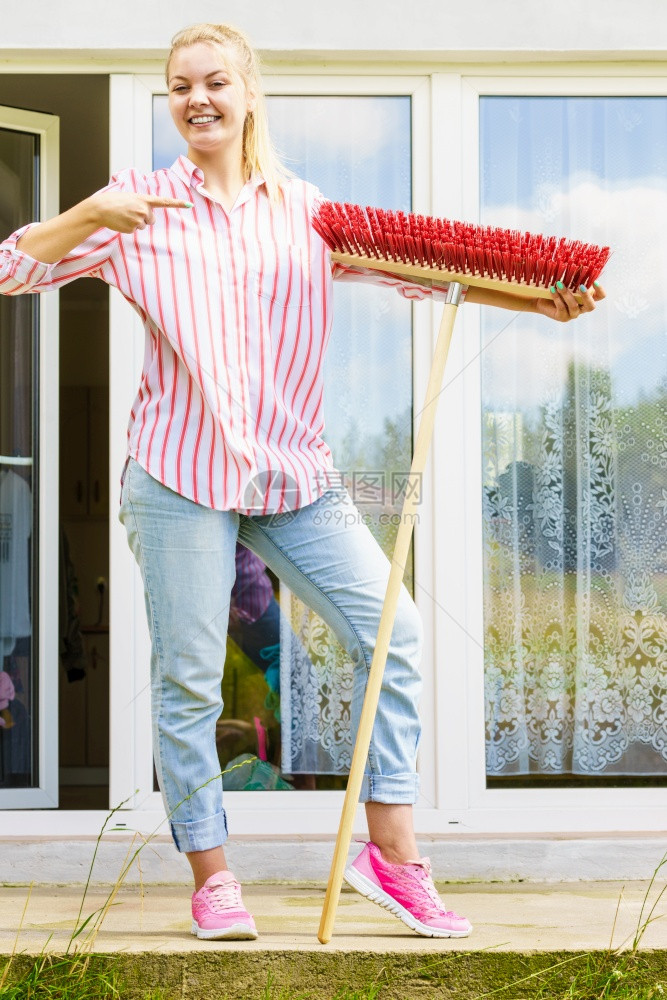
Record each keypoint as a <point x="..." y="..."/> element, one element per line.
<point x="564" y="305"/>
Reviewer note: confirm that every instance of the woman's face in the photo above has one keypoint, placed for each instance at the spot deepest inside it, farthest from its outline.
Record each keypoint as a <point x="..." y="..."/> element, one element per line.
<point x="208" y="99"/>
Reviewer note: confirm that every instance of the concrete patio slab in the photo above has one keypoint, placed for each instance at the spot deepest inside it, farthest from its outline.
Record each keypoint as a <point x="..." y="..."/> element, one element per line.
<point x="506" y="918"/>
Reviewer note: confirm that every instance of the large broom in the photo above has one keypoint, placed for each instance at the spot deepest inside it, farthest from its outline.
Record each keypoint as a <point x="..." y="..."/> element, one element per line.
<point x="433" y="251"/>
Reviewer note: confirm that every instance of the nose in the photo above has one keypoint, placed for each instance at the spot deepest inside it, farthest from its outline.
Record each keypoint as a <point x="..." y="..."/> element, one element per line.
<point x="198" y="97"/>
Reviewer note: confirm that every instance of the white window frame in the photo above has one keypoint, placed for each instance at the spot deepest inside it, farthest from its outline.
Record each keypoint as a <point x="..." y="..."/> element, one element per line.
<point x="45" y="794"/>
<point x="460" y="700"/>
<point x="131" y="763"/>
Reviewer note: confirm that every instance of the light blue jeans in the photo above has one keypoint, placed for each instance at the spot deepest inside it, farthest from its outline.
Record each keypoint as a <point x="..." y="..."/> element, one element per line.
<point x="327" y="556"/>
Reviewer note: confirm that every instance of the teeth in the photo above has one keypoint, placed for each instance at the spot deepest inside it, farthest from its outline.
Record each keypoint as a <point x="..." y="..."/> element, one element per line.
<point x="202" y="119"/>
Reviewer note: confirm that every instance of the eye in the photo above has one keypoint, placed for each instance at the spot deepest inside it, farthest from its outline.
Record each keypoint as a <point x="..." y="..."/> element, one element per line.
<point x="179" y="89"/>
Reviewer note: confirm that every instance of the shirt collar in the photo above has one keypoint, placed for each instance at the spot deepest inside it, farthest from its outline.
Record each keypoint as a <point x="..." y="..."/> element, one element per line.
<point x="187" y="171"/>
<point x="193" y="176"/>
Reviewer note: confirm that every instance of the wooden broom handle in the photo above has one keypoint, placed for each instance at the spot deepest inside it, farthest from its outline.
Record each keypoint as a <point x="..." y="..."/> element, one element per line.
<point x="398" y="563"/>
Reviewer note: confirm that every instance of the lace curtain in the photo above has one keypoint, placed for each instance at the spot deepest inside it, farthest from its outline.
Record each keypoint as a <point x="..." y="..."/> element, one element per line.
<point x="316" y="692"/>
<point x="575" y="450"/>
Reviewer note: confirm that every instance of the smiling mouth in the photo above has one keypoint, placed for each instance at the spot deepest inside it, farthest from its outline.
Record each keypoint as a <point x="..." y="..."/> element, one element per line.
<point x="203" y="119"/>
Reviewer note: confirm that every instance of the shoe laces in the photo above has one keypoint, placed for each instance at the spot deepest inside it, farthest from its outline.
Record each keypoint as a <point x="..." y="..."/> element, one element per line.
<point x="225" y="896"/>
<point x="428" y="885"/>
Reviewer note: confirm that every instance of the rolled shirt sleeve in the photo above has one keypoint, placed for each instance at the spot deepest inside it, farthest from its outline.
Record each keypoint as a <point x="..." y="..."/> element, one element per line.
<point x="19" y="272"/>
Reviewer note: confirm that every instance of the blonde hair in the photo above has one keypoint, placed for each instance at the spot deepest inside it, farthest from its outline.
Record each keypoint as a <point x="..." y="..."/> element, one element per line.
<point x="258" y="152"/>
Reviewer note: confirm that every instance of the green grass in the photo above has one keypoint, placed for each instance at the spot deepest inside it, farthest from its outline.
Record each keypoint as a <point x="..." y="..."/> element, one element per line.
<point x="66" y="978"/>
<point x="610" y="977"/>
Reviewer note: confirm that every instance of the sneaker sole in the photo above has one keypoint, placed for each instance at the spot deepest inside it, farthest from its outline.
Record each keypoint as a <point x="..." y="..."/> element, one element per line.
<point x="377" y="895"/>
<point x="236" y="932"/>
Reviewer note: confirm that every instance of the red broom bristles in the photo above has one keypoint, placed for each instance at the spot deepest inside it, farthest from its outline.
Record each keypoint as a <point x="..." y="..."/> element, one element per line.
<point x="459" y="248"/>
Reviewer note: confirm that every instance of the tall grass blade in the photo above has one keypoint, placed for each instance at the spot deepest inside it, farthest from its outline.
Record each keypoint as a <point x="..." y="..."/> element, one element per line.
<point x="5" y="971"/>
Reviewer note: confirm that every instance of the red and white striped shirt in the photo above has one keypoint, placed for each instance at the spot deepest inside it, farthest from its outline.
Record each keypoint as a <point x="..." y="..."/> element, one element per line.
<point x="237" y="310"/>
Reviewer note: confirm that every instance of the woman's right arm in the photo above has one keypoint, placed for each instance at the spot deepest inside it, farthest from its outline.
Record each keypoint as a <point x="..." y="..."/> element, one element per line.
<point x="43" y="256"/>
<point x="120" y="211"/>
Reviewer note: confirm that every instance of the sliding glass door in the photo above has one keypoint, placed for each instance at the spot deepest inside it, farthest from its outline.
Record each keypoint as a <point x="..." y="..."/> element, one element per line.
<point x="28" y="488"/>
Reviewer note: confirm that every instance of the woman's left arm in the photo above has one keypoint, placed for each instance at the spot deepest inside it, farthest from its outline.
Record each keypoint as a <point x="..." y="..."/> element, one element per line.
<point x="562" y="306"/>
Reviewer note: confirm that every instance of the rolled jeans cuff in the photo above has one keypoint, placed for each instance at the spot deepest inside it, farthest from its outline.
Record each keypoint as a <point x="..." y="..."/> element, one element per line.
<point x="201" y="834"/>
<point x="393" y="789"/>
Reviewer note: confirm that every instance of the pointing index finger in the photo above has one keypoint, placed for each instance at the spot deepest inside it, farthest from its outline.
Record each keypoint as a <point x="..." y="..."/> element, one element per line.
<point x="158" y="202"/>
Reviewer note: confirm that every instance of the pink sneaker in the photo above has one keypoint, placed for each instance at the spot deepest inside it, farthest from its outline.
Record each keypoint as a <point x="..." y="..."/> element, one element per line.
<point x="406" y="891"/>
<point x="218" y="912"/>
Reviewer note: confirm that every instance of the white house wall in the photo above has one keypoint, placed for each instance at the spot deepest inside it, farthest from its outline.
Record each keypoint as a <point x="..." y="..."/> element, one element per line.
<point x="480" y="30"/>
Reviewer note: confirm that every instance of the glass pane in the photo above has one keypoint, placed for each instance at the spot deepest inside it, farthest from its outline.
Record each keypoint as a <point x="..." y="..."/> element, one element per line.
<point x="282" y="662"/>
<point x="575" y="453"/>
<point x="18" y="476"/>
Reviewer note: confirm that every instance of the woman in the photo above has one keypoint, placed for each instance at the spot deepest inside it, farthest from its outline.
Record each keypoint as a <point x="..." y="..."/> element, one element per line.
<point x="218" y="257"/>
